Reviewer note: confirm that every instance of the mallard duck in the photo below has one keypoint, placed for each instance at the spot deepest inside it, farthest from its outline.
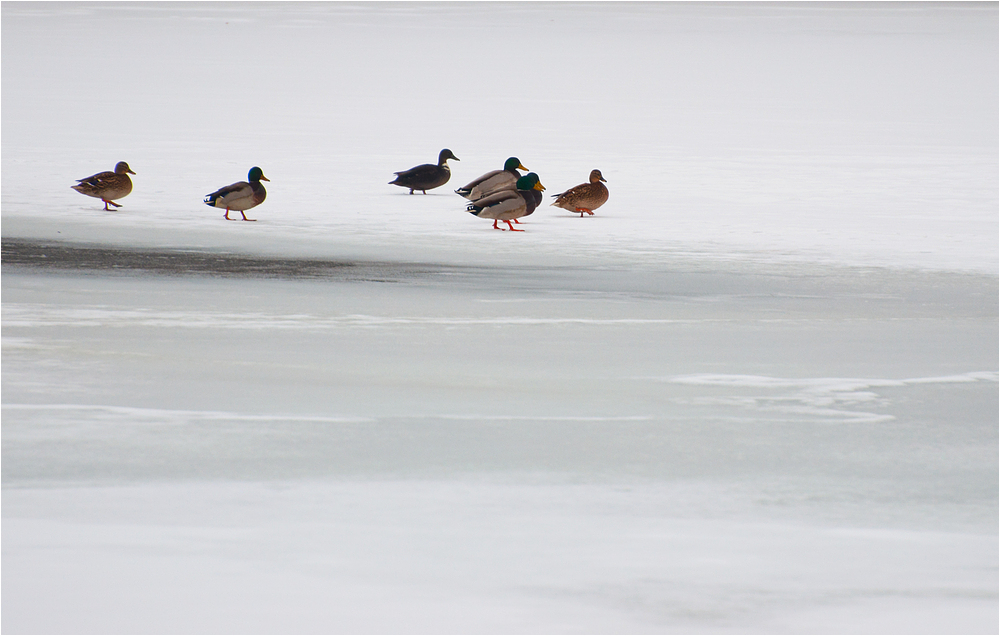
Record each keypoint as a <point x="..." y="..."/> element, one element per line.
<point x="427" y="176"/>
<point x="585" y="197"/>
<point x="107" y="186"/>
<point x="493" y="181"/>
<point x="241" y="195"/>
<point x="508" y="205"/>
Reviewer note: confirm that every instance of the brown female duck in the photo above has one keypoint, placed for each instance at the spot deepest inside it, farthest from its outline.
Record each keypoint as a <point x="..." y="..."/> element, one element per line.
<point x="107" y="186"/>
<point x="584" y="198"/>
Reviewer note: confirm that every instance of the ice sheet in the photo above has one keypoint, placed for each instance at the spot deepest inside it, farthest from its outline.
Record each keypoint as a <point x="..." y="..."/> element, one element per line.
<point x="469" y="453"/>
<point x="756" y="392"/>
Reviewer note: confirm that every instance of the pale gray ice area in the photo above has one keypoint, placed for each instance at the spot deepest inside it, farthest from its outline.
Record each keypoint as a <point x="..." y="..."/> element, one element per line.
<point x="570" y="451"/>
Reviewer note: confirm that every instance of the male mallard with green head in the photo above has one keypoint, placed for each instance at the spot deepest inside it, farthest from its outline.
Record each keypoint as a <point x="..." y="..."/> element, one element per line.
<point x="241" y="195"/>
<point x="493" y="181"/>
<point x="510" y="205"/>
<point x="107" y="186"/>
<point x="427" y="176"/>
<point x="584" y="198"/>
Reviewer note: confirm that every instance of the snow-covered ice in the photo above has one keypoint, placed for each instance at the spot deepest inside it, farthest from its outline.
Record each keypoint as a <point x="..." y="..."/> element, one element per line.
<point x="756" y="392"/>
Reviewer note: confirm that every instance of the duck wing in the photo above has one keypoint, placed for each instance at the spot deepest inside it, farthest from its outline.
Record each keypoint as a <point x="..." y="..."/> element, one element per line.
<point x="586" y="195"/>
<point x="503" y="205"/>
<point x="572" y="192"/>
<point x="418" y="173"/>
<point x="229" y="195"/>
<point x="489" y="183"/>
<point x="101" y="179"/>
<point x="106" y="185"/>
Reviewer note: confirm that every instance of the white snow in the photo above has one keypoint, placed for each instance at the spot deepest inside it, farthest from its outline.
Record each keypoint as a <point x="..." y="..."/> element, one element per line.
<point x="756" y="392"/>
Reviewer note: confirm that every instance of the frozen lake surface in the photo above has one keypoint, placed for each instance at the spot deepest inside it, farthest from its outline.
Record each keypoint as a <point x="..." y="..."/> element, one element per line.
<point x="757" y="392"/>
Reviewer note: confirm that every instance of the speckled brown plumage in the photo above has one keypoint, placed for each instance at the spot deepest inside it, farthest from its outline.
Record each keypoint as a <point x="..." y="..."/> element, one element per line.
<point x="584" y="198"/>
<point x="107" y="186"/>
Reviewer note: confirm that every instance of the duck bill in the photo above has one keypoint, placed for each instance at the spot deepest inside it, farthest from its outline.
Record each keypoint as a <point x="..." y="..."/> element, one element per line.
<point x="521" y="167"/>
<point x="263" y="178"/>
<point x="538" y="186"/>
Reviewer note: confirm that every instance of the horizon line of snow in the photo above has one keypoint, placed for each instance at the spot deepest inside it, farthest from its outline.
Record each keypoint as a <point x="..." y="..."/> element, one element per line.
<point x="151" y="413"/>
<point x="822" y="384"/>
<point x="36" y="317"/>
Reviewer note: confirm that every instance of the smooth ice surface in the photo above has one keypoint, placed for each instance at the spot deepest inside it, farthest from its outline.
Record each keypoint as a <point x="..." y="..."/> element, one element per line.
<point x="756" y="392"/>
<point x="562" y="451"/>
